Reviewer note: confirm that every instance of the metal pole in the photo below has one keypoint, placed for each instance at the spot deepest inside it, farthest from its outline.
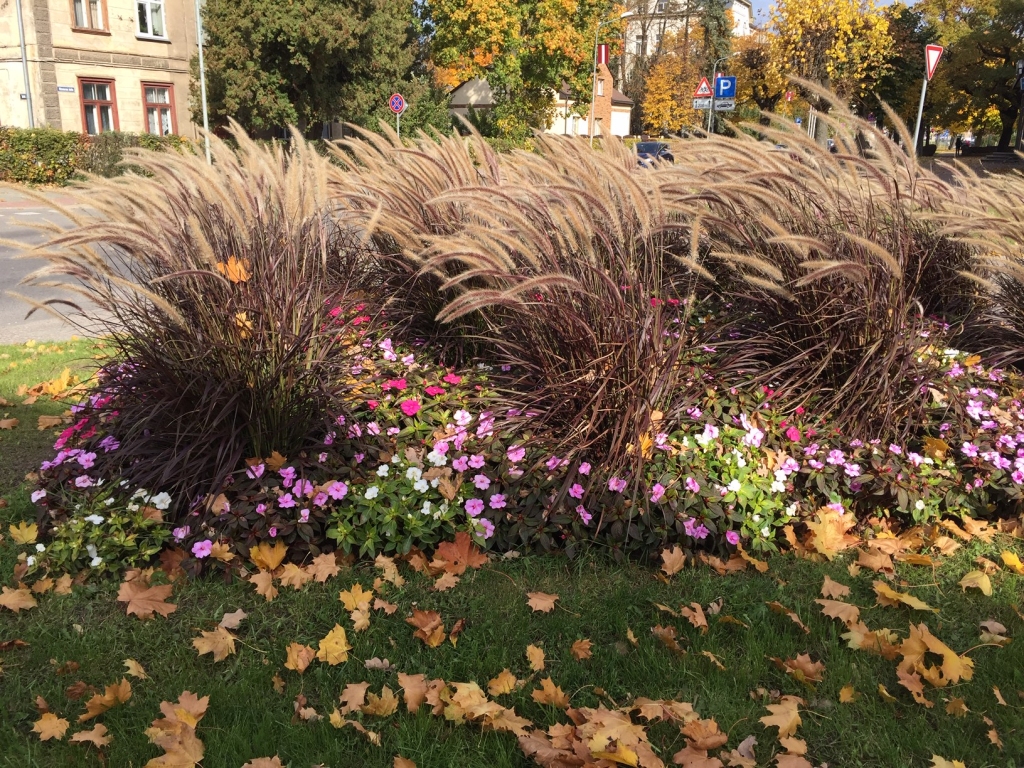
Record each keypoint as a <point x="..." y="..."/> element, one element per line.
<point x="24" y="66"/>
<point x="202" y="82"/>
<point x="398" y="124"/>
<point x="593" y="85"/>
<point x="714" y="76"/>
<point x="920" y="111"/>
<point x="1020" y="112"/>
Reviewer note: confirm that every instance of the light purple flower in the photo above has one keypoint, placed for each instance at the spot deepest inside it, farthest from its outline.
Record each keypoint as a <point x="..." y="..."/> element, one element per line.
<point x="441" y="447"/>
<point x="970" y="450"/>
<point x="657" y="493"/>
<point x="732" y="537"/>
<point x="337" y="490"/>
<point x="1018" y="476"/>
<point x="463" y="418"/>
<point x="815" y="464"/>
<point x="616" y="484"/>
<point x="477" y="461"/>
<point x="461" y="464"/>
<point x="584" y="468"/>
<point x="516" y="454"/>
<point x="482" y="482"/>
<point x="286" y="502"/>
<point x="852" y="470"/>
<point x="202" y="549"/>
<point x="37" y="495"/>
<point x="255" y="472"/>
<point x="497" y="501"/>
<point x="329" y="437"/>
<point x="109" y="443"/>
<point x="261" y="509"/>
<point x="303" y="488"/>
<point x="87" y="460"/>
<point x="585" y="516"/>
<point x="304" y="516"/>
<point x="576" y="491"/>
<point x="273" y="531"/>
<point x="552" y="463"/>
<point x="358" y="458"/>
<point x="474" y="507"/>
<point x="835" y="456"/>
<point x="893" y="448"/>
<point x="692" y="485"/>
<point x="373" y="428"/>
<point x="392" y="431"/>
<point x="488" y="527"/>
<point x="180" y="533"/>
<point x="83" y="481"/>
<point x="915" y="458"/>
<point x="320" y="499"/>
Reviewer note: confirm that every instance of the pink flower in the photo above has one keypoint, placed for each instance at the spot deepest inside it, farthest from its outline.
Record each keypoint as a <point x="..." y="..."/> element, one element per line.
<point x="516" y="454"/>
<point x="585" y="516"/>
<point x="893" y="448"/>
<point x="692" y="485"/>
<point x="836" y="456"/>
<point x="322" y="458"/>
<point x="657" y="493"/>
<point x="482" y="482"/>
<point x="1017" y="476"/>
<point x="441" y="447"/>
<point x="576" y="491"/>
<point x="434" y="390"/>
<point x="373" y="428"/>
<point x="410" y="407"/>
<point x="320" y="499"/>
<point x="476" y="461"/>
<point x="372" y="404"/>
<point x="452" y="379"/>
<point x="303" y="488"/>
<point x="584" y="468"/>
<point x="970" y="450"/>
<point x="337" y="490"/>
<point x="398" y="384"/>
<point x="497" y="501"/>
<point x="488" y="527"/>
<point x="461" y="464"/>
<point x="552" y="463"/>
<point x="273" y="532"/>
<point x="732" y="537"/>
<point x="852" y="470"/>
<point x="286" y="501"/>
<point x="255" y="472"/>
<point x="793" y="434"/>
<point x="474" y="507"/>
<point x="202" y="549"/>
<point x="616" y="484"/>
<point x="83" y="481"/>
<point x="261" y="509"/>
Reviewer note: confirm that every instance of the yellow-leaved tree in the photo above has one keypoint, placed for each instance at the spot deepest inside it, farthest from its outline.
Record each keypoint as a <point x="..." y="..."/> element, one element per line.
<point x="667" y="104"/>
<point x="842" y="45"/>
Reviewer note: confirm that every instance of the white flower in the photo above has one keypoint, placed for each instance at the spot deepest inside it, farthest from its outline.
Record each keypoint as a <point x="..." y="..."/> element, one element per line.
<point x="133" y="507"/>
<point x="141" y="493"/>
<point x="161" y="500"/>
<point x="929" y="461"/>
<point x="919" y="504"/>
<point x="371" y="492"/>
<point x="434" y="483"/>
<point x="37" y="495"/>
<point x="756" y="518"/>
<point x="91" y="549"/>
<point x="765" y="531"/>
<point x="96" y="561"/>
<point x="778" y="487"/>
<point x="686" y="442"/>
<point x="437" y="459"/>
<point x="382" y="470"/>
<point x="95" y="519"/>
<point x="781" y="475"/>
<point x="791" y="509"/>
<point x="30" y="561"/>
<point x="396" y="459"/>
<point x="740" y="461"/>
<point x="734" y="485"/>
<point x="109" y="500"/>
<point x="421" y="485"/>
<point x="951" y="352"/>
<point x="413" y="473"/>
<point x="40" y="548"/>
<point x="426" y="508"/>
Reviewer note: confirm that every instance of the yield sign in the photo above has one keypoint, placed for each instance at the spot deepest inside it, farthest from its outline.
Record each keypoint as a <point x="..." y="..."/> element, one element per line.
<point x="703" y="90"/>
<point x="932" y="54"/>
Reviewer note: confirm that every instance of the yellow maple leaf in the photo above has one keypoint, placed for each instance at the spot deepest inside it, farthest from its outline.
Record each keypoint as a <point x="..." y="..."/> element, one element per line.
<point x="541" y="601"/>
<point x="581" y="649"/>
<point x="977" y="580"/>
<point x="785" y="716"/>
<point x="887" y="596"/>
<point x="380" y="706"/>
<point x="236" y="270"/>
<point x="24" y="533"/>
<point x="17" y="599"/>
<point x="535" y="656"/>
<point x="49" y="726"/>
<point x="267" y="557"/>
<point x="673" y="560"/>
<point x="299" y="656"/>
<point x="356" y="599"/>
<point x="504" y="683"/>
<point x="1012" y="561"/>
<point x="334" y="647"/>
<point x="549" y="693"/>
<point x="219" y="642"/>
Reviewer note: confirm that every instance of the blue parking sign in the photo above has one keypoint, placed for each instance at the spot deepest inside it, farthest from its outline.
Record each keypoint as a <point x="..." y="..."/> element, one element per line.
<point x="725" y="87"/>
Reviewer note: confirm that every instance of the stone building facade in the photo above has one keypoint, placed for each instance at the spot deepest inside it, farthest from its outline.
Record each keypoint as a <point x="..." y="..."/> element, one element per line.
<point x="99" y="65"/>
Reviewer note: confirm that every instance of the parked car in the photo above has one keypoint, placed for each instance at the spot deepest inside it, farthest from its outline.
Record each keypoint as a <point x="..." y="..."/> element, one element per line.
<point x="649" y="151"/>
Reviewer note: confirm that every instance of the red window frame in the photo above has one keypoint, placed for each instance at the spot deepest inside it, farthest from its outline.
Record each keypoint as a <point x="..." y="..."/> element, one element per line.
<point x="84" y="81"/>
<point x="170" y="106"/>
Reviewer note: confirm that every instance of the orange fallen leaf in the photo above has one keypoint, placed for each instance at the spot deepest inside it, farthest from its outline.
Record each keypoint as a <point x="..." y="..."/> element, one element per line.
<point x="833" y="589"/>
<point x="541" y="601"/>
<point x="504" y="683"/>
<point x="353" y="697"/>
<point x="17" y="599"/>
<point x="219" y="642"/>
<point x="549" y="693"/>
<point x="460" y="554"/>
<point x="97" y="736"/>
<point x="414" y="690"/>
<point x="581" y="649"/>
<point x="535" y="656"/>
<point x="323" y="567"/>
<point x="49" y="726"/>
<point x="785" y="715"/>
<point x="299" y="657"/>
<point x="268" y="557"/>
<point x="673" y="560"/>
<point x="429" y="627"/>
<point x="117" y="693"/>
<point x="145" y="601"/>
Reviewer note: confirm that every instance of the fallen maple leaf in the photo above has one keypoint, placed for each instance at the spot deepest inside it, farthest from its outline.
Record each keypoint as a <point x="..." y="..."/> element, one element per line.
<point x="848" y="694"/>
<point x="785" y="716"/>
<point x="779" y="608"/>
<point x="789" y="760"/>
<point x="704" y="734"/>
<point x="941" y="762"/>
<point x="876" y="560"/>
<point x="265" y="762"/>
<point x="62" y="585"/>
<point x="323" y="567"/>
<point x="504" y="683"/>
<point x="913" y="683"/>
<point x="999" y="696"/>
<point x="429" y="627"/>
<point x="667" y="636"/>
<point x="414" y="690"/>
<point x="695" y="615"/>
<point x="883" y="692"/>
<point x="829" y="534"/>
<point x="445" y="581"/>
<point x="541" y="601"/>
<point x="268" y="557"/>
<point x="135" y="669"/>
<point x="390" y="569"/>
<point x="264" y="583"/>
<point x="401" y="762"/>
<point x="833" y="589"/>
<point x="381" y="706"/>
<point x="116" y="693"/>
<point x="581" y="650"/>
<point x="144" y="600"/>
<point x="977" y="580"/>
<point x="956" y="707"/>
<point x="356" y="598"/>
<point x="219" y="642"/>
<point x="24" y="533"/>
<point x="360" y="619"/>
<point x="801" y="668"/>
<point x="334" y="648"/>
<point x="49" y="726"/>
<point x="233" y="620"/>
<point x="759" y="565"/>
<point x="339" y="722"/>
<point x="293" y="576"/>
<point x="1012" y="561"/>
<point x="535" y="656"/>
<point x="460" y="554"/>
<point x="549" y="693"/>
<point x="299" y="657"/>
<point x="836" y="609"/>
<point x="42" y="586"/>
<point x="384" y="605"/>
<point x="673" y="560"/>
<point x="714" y="659"/>
<point x="9" y="423"/>
<point x="890" y="598"/>
<point x="688" y="757"/>
<point x="176" y="734"/>
<point x="97" y="736"/>
<point x="353" y="697"/>
<point x="17" y="599"/>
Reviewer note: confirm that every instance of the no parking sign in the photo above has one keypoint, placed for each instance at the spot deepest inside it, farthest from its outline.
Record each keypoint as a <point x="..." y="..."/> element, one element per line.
<point x="397" y="103"/>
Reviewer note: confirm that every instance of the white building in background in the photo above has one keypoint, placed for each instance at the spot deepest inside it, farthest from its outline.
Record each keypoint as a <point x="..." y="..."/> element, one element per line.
<point x="656" y="18"/>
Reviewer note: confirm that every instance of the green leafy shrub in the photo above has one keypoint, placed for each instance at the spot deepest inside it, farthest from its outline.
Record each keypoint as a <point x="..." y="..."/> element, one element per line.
<point x="39" y="155"/>
<point x="105" y="154"/>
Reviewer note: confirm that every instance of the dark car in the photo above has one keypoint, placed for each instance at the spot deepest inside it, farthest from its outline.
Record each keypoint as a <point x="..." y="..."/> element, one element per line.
<point x="649" y="151"/>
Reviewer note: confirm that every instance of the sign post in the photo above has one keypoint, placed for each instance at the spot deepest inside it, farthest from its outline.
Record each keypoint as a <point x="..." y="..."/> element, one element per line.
<point x="932" y="54"/>
<point x="702" y="96"/>
<point x="725" y="88"/>
<point x="398" y="106"/>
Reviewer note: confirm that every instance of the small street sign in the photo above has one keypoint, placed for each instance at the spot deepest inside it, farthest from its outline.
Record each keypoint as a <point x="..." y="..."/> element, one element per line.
<point x="725" y="87"/>
<point x="702" y="103"/>
<point x="703" y="90"/>
<point x="397" y="103"/>
<point x="932" y="54"/>
<point x="725" y="105"/>
<point x="65" y="89"/>
<point x="789" y="95"/>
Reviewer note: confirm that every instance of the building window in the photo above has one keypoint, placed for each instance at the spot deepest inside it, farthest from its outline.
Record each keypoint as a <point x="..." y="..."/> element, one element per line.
<point x="660" y="8"/>
<point x="600" y="87"/>
<point x="99" y="110"/>
<point x="158" y="100"/>
<point x="151" y="19"/>
<point x="639" y="46"/>
<point x="88" y="14"/>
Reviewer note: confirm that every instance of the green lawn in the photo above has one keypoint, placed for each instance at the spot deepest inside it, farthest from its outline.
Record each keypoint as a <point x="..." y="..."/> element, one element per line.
<point x="599" y="600"/>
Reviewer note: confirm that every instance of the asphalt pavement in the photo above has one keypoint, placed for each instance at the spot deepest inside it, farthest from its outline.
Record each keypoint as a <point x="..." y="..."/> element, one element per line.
<point x="18" y="214"/>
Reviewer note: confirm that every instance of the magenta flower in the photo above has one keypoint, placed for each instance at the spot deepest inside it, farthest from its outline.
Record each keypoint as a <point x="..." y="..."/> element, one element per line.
<point x="337" y="490"/>
<point x="732" y="537"/>
<point x="516" y="454"/>
<point x="304" y="516"/>
<point x="584" y="468"/>
<point x="303" y="488"/>
<point x="286" y="501"/>
<point x="288" y="475"/>
<point x="410" y="407"/>
<point x="261" y="509"/>
<point x="893" y="448"/>
<point x="482" y="482"/>
<point x="576" y="491"/>
<point x="692" y="485"/>
<point x="552" y="463"/>
<point x="441" y="447"/>
<point x="1017" y="476"/>
<point x="373" y="428"/>
<point x="273" y="531"/>
<point x="657" y="493"/>
<point x="86" y="460"/>
<point x="852" y="470"/>
<point x="970" y="450"/>
<point x="836" y="456"/>
<point x="320" y="499"/>
<point x="433" y="390"/>
<point x="372" y="404"/>
<point x="474" y="507"/>
<point x="793" y="434"/>
<point x="397" y="384"/>
<point x="83" y="481"/>
<point x="452" y="379"/>
<point x="585" y="516"/>
<point x="616" y="484"/>
<point x="202" y="549"/>
<point x="476" y="461"/>
<point x="488" y="527"/>
<point x="461" y="464"/>
<point x="497" y="501"/>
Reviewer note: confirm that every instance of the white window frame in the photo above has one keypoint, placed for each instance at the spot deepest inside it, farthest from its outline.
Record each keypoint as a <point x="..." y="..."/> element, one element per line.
<point x="600" y="86"/>
<point x="145" y="9"/>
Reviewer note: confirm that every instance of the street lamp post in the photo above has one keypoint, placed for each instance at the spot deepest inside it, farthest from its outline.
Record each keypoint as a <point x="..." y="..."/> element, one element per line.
<point x="593" y="82"/>
<point x="714" y="74"/>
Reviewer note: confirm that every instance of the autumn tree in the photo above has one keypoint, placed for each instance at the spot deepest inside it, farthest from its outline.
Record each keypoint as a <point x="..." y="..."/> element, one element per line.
<point x="900" y="86"/>
<point x="306" y="62"/>
<point x="984" y="40"/>
<point x="666" y="104"/>
<point x="842" y="45"/>
<point x="758" y="79"/>
<point x="525" y="49"/>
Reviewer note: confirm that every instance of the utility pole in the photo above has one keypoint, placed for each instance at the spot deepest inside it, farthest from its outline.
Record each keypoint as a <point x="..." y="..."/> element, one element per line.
<point x="202" y="82"/>
<point x="24" y="66"/>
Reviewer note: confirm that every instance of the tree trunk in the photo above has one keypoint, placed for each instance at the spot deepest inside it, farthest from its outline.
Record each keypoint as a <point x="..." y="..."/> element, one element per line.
<point x="1009" y="121"/>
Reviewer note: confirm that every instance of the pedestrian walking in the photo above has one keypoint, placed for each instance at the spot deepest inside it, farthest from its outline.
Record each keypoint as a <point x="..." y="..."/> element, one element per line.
<point x="959" y="146"/>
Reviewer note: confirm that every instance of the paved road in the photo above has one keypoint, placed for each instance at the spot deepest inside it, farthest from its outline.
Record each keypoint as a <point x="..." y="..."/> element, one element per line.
<point x="18" y="214"/>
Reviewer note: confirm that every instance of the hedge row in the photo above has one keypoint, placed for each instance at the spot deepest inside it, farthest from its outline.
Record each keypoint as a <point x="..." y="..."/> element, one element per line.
<point x="48" y="156"/>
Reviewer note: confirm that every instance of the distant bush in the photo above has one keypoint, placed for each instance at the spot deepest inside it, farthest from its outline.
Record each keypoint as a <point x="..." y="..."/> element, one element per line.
<point x="104" y="154"/>
<point x="39" y="155"/>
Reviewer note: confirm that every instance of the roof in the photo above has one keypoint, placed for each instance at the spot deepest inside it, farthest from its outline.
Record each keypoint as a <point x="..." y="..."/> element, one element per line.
<point x="619" y="99"/>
